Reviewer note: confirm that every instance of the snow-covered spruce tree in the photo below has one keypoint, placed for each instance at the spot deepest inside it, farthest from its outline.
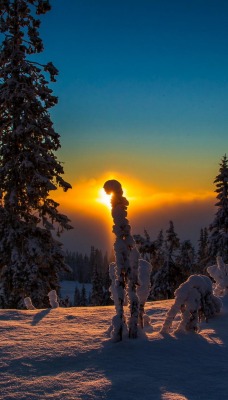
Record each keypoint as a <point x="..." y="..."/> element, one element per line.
<point x="218" y="237"/>
<point x="195" y="301"/>
<point x="30" y="258"/>
<point x="219" y="273"/>
<point x="127" y="259"/>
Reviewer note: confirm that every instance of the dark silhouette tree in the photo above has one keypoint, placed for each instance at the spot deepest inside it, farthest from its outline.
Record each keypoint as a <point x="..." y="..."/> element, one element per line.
<point x="30" y="258"/>
<point x="218" y="237"/>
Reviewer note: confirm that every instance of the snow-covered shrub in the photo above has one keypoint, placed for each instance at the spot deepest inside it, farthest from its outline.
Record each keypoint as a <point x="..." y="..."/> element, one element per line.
<point x="127" y="261"/>
<point x="219" y="273"/>
<point x="28" y="303"/>
<point x="195" y="301"/>
<point x="53" y="300"/>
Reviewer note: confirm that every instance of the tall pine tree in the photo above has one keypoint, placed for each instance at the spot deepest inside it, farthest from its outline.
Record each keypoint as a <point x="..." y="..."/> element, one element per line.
<point x="218" y="238"/>
<point x="30" y="258"/>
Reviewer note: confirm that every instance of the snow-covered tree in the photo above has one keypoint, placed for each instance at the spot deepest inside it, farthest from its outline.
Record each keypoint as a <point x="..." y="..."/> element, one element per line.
<point x="30" y="258"/>
<point x="127" y="260"/>
<point x="194" y="300"/>
<point x="218" y="238"/>
<point x="219" y="273"/>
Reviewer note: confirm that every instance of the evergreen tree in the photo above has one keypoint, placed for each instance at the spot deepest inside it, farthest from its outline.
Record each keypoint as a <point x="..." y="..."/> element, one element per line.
<point x="169" y="276"/>
<point x="30" y="258"/>
<point x="202" y="253"/>
<point x="158" y="256"/>
<point x="144" y="245"/>
<point x="107" y="294"/>
<point x="83" y="298"/>
<point x="218" y="238"/>
<point x="77" y="297"/>
<point x="97" y="296"/>
<point x="186" y="258"/>
<point x="172" y="241"/>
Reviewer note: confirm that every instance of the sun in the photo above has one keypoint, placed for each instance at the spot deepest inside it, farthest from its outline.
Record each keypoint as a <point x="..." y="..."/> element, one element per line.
<point x="104" y="198"/>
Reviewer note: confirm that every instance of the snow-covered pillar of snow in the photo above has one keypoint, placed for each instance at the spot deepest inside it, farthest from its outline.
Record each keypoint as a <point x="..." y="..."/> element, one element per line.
<point x="144" y="287"/>
<point x="53" y="300"/>
<point x="127" y="258"/>
<point x="28" y="303"/>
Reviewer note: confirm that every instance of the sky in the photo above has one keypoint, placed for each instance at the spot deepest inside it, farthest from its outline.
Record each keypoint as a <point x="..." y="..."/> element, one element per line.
<point x="143" y="94"/>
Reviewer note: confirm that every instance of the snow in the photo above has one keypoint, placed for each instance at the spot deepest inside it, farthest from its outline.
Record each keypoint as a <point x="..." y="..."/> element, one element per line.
<point x="219" y="273"/>
<point x="53" y="300"/>
<point x="65" y="353"/>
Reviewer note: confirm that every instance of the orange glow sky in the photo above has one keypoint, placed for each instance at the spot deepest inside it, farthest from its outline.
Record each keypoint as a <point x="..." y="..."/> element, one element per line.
<point x="151" y="208"/>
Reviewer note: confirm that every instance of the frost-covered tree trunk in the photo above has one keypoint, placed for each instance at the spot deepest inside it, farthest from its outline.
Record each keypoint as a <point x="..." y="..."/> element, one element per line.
<point x="144" y="287"/>
<point x="127" y="259"/>
<point x="30" y="258"/>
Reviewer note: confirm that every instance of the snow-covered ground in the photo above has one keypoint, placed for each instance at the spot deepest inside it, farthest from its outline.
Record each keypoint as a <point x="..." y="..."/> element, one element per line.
<point x="65" y="353"/>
